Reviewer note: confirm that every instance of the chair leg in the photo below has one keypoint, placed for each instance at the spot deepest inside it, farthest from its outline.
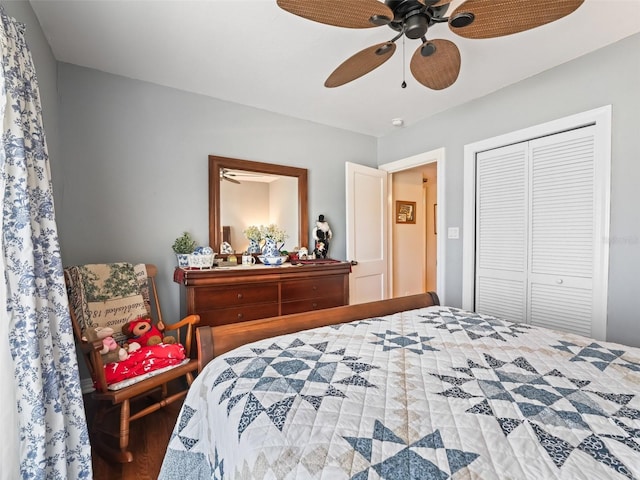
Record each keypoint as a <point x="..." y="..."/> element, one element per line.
<point x="125" y="412"/>
<point x="103" y="438"/>
<point x="116" y="447"/>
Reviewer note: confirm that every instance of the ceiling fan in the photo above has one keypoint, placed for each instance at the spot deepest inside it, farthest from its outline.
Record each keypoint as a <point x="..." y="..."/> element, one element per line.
<point x="435" y="63"/>
<point x="234" y="176"/>
<point x="229" y="175"/>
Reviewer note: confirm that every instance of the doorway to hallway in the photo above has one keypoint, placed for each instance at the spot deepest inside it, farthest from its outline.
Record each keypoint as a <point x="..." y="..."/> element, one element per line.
<point x="416" y="251"/>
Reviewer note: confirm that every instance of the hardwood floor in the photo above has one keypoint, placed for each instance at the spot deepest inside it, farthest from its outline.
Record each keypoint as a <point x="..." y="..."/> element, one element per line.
<point x="149" y="437"/>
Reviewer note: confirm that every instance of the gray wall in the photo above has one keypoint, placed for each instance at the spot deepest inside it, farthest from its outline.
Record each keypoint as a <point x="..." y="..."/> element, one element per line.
<point x="129" y="159"/>
<point x="608" y="76"/>
<point x="135" y="171"/>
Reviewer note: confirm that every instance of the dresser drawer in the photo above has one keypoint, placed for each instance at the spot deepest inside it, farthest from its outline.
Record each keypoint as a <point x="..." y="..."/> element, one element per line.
<point x="312" y="288"/>
<point x="236" y="295"/>
<point x="223" y="316"/>
<point x="208" y="298"/>
<point x="306" y="305"/>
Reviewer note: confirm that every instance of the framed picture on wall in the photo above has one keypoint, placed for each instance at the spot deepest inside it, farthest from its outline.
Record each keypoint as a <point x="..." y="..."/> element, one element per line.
<point x="405" y="212"/>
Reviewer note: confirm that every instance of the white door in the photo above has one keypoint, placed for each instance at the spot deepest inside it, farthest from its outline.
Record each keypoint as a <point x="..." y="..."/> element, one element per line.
<point x="501" y="232"/>
<point x="536" y="232"/>
<point x="366" y="195"/>
<point x="563" y="235"/>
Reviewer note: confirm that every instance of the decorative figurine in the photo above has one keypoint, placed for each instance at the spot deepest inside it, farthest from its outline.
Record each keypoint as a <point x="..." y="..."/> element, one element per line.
<point x="226" y="248"/>
<point x="322" y="235"/>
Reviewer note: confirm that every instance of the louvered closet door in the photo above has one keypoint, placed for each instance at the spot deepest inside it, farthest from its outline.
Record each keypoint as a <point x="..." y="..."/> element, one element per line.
<point x="501" y="232"/>
<point x="562" y="230"/>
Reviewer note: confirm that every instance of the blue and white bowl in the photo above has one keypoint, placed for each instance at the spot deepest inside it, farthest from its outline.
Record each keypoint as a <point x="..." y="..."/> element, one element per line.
<point x="273" y="261"/>
<point x="202" y="257"/>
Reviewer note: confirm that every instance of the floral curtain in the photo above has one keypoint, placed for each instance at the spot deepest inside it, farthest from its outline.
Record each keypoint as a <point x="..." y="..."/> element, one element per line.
<point x="48" y="416"/>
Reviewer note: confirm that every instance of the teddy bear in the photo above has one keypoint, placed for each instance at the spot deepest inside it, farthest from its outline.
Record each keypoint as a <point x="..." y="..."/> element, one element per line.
<point x="97" y="333"/>
<point x="142" y="331"/>
<point x="111" y="351"/>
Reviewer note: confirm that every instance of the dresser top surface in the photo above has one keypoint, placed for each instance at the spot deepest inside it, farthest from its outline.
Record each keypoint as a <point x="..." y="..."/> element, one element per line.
<point x="188" y="277"/>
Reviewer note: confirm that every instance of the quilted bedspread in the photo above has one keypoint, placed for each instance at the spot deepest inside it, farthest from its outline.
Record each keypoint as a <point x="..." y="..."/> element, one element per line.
<point x="433" y="393"/>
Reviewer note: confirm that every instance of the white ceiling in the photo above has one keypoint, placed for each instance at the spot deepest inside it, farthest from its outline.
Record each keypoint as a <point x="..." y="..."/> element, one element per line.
<point x="252" y="52"/>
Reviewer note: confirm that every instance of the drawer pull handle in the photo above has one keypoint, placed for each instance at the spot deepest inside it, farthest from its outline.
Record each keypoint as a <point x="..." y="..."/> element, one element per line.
<point x="240" y="316"/>
<point x="314" y="305"/>
<point x="239" y="296"/>
<point x="315" y="287"/>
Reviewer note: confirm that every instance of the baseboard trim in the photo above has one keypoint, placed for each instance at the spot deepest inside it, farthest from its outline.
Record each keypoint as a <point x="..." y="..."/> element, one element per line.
<point x="86" y="384"/>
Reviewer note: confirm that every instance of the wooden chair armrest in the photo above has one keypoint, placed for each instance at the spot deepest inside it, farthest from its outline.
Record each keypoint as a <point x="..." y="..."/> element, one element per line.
<point x="188" y="320"/>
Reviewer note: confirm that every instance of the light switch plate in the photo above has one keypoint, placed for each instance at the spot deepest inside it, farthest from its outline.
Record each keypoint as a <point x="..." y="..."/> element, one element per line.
<point x="453" y="232"/>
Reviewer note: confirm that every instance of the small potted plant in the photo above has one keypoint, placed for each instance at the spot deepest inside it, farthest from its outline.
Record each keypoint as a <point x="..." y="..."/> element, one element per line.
<point x="183" y="247"/>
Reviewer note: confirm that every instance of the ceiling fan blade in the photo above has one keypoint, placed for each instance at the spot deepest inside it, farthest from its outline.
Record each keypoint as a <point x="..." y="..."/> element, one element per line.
<point x="495" y="18"/>
<point x="224" y="175"/>
<point x="360" y="64"/>
<point x="229" y="179"/>
<point x="243" y="174"/>
<point x="438" y="70"/>
<point x="341" y="13"/>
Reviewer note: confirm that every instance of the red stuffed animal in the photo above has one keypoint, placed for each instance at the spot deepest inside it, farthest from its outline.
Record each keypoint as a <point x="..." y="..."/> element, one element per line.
<point x="141" y="330"/>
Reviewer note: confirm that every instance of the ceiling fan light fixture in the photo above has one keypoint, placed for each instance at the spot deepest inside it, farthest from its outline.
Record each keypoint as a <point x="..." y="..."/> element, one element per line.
<point x="416" y="25"/>
<point x="462" y="19"/>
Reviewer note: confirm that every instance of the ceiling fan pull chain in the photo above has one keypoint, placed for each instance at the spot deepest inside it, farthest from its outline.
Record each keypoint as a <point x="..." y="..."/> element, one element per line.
<point x="404" y="65"/>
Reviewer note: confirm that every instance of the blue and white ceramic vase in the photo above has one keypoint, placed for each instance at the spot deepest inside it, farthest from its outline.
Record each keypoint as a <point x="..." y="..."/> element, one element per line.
<point x="271" y="248"/>
<point x="183" y="259"/>
<point x="254" y="246"/>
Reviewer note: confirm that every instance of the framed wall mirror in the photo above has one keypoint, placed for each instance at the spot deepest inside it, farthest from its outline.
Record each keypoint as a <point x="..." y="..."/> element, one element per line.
<point x="244" y="193"/>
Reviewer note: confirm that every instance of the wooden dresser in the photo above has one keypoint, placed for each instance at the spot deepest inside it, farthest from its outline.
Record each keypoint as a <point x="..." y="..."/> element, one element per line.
<point x="238" y="294"/>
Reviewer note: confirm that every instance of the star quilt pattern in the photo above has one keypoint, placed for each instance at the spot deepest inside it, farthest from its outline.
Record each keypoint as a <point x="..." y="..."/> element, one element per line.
<point x="433" y="393"/>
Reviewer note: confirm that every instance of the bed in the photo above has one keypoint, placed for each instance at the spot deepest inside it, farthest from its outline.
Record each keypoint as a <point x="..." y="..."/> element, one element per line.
<point x="406" y="389"/>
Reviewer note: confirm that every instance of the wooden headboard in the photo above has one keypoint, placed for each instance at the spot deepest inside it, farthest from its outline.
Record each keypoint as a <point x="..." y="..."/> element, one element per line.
<point x="214" y="341"/>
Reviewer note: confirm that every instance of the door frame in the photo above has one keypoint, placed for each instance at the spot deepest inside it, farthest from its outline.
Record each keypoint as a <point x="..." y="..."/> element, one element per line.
<point x="438" y="156"/>
<point x="601" y="119"/>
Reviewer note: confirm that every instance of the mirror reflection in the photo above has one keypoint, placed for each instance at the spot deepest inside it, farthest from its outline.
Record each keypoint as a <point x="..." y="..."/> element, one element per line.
<point x="254" y="198"/>
<point x="245" y="193"/>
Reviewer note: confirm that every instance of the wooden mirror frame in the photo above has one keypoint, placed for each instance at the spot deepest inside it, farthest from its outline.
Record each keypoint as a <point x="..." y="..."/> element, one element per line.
<point x="216" y="163"/>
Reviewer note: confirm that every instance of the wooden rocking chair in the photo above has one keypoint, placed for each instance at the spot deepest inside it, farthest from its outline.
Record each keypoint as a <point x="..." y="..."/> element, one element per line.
<point x="104" y="302"/>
